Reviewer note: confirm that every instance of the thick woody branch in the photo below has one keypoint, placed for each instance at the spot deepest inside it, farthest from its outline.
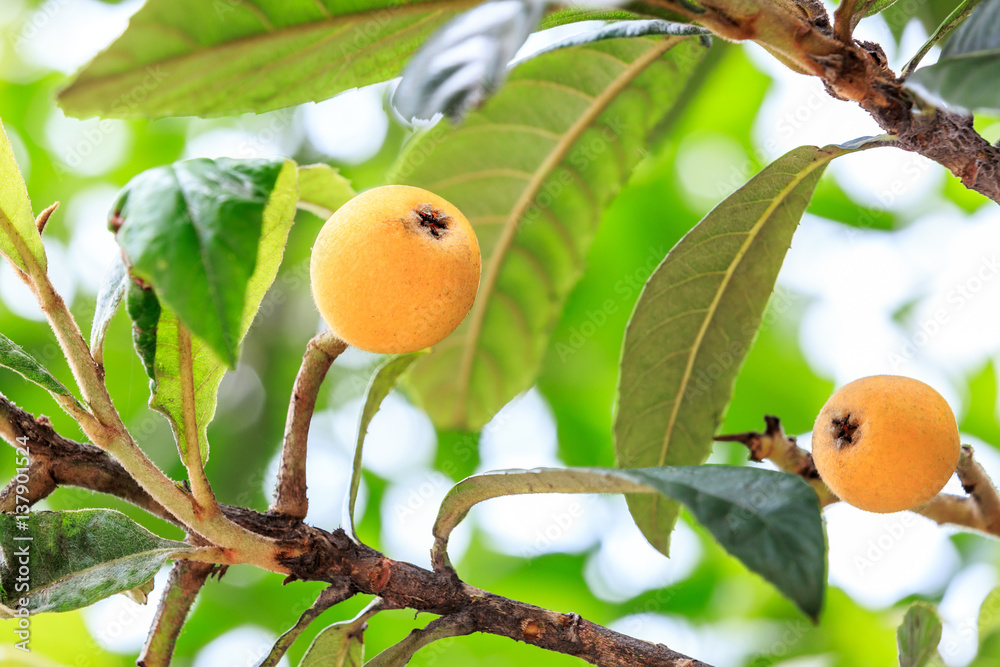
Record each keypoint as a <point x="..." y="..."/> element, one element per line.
<point x="316" y="555"/>
<point x="800" y="36"/>
<point x="980" y="510"/>
<point x="290" y="494"/>
<point x="186" y="579"/>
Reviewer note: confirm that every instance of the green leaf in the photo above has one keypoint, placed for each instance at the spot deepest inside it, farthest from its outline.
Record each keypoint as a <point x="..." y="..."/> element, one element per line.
<point x="19" y="238"/>
<point x="965" y="75"/>
<point x="76" y="558"/>
<point x="400" y="654"/>
<point x="918" y="637"/>
<point x="383" y="381"/>
<point x="322" y="190"/>
<point x="769" y="520"/>
<point x="208" y="367"/>
<point x="533" y="171"/>
<point x="871" y="7"/>
<point x="695" y="321"/>
<point x="19" y="361"/>
<point x="144" y="310"/>
<point x="188" y="57"/>
<point x="191" y="231"/>
<point x="989" y="616"/>
<point x="109" y="297"/>
<point x="341" y="644"/>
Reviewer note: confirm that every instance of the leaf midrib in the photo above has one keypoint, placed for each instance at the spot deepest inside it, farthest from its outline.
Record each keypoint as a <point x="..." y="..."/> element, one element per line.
<point x="713" y="306"/>
<point x="263" y="37"/>
<point x="121" y="559"/>
<point x="557" y="155"/>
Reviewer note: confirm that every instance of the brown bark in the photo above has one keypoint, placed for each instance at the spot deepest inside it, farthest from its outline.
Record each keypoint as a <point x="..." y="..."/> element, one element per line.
<point x="314" y="554"/>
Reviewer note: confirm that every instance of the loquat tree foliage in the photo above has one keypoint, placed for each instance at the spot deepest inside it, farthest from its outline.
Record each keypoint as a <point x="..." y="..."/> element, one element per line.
<point x="519" y="153"/>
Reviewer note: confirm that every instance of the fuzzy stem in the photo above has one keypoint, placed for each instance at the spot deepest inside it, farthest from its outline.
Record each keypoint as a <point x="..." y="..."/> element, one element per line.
<point x="290" y="493"/>
<point x="186" y="579"/>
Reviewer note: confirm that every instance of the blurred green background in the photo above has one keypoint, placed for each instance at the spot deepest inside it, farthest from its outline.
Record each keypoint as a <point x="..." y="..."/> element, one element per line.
<point x="869" y="264"/>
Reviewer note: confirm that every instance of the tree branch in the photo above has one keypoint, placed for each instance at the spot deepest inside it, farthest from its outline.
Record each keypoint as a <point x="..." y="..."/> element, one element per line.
<point x="800" y="36"/>
<point x="980" y="510"/>
<point x="186" y="579"/>
<point x="316" y="555"/>
<point x="290" y="493"/>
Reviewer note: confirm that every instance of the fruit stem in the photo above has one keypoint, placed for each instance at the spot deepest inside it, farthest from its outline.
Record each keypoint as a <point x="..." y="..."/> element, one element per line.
<point x="290" y="493"/>
<point x="980" y="510"/>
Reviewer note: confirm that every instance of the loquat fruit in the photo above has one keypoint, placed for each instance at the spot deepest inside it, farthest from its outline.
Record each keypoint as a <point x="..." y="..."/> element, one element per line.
<point x="886" y="443"/>
<point x="395" y="269"/>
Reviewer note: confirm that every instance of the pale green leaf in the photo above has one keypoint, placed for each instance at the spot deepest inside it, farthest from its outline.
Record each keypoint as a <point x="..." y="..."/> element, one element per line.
<point x="918" y="637"/>
<point x="769" y="520"/>
<point x="190" y="57"/>
<point x="695" y="321"/>
<point x="341" y="644"/>
<point x="533" y="171"/>
<point x="322" y="190"/>
<point x="383" y="381"/>
<point x="208" y="368"/>
<point x="989" y="615"/>
<point x="19" y="361"/>
<point x="76" y="557"/>
<point x="19" y="238"/>
<point x="109" y="297"/>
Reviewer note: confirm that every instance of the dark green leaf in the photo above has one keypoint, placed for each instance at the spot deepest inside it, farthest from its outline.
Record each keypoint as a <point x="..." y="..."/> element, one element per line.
<point x="190" y="230"/>
<point x="208" y="367"/>
<point x="465" y="61"/>
<point x="322" y="190"/>
<point x="769" y="520"/>
<point x="188" y="57"/>
<point x="76" y="557"/>
<point x="109" y="297"/>
<point x="533" y="171"/>
<point x="19" y="361"/>
<point x="19" y="238"/>
<point x="383" y="381"/>
<point x="144" y="310"/>
<point x="918" y="637"/>
<point x="871" y="7"/>
<point x="694" y="323"/>
<point x="965" y="75"/>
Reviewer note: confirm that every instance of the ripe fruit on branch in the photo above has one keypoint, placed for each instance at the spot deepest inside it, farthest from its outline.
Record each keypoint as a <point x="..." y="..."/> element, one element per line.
<point x="395" y="269"/>
<point x="886" y="443"/>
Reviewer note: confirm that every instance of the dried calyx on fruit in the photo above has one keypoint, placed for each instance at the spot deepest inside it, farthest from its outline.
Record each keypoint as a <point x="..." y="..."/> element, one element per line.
<point x="395" y="269"/>
<point x="886" y="443"/>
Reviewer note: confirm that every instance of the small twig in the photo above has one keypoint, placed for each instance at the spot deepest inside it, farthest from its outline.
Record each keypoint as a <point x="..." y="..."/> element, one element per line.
<point x="331" y="595"/>
<point x="956" y="18"/>
<point x="191" y="451"/>
<point x="454" y="625"/>
<point x="43" y="217"/>
<point x="783" y="451"/>
<point x="290" y="493"/>
<point x="980" y="510"/>
<point x="186" y="579"/>
<point x="845" y="20"/>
